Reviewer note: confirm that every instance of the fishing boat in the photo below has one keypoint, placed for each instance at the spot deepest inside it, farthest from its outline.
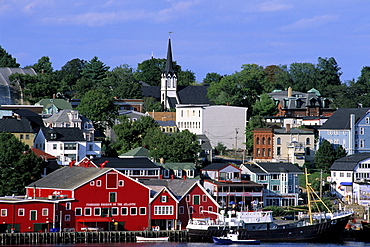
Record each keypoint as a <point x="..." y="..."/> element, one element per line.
<point x="232" y="238"/>
<point x="320" y="226"/>
<point x="155" y="239"/>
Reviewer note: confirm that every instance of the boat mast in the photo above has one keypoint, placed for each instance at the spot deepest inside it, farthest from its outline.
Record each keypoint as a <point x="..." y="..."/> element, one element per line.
<point x="308" y="195"/>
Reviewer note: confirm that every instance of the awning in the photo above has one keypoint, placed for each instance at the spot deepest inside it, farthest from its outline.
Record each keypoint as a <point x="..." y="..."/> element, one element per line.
<point x="346" y="183"/>
<point x="95" y="219"/>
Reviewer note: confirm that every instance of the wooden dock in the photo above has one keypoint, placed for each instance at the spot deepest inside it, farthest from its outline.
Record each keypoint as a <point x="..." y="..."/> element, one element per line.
<point x="86" y="237"/>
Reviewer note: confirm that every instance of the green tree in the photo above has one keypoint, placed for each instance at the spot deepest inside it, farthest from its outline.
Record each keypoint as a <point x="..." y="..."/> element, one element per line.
<point x="150" y="71"/>
<point x="254" y="122"/>
<point x="340" y="152"/>
<point x="98" y="106"/>
<point x="303" y="76"/>
<point x="328" y="73"/>
<point x="151" y="104"/>
<point x="277" y="77"/>
<point x="69" y="74"/>
<point x="212" y="77"/>
<point x="122" y="83"/>
<point x="130" y="134"/>
<point x="43" y="65"/>
<point x="93" y="74"/>
<point x="186" y="78"/>
<point x="19" y="166"/>
<point x="325" y="156"/>
<point x="6" y="60"/>
<point x="265" y="106"/>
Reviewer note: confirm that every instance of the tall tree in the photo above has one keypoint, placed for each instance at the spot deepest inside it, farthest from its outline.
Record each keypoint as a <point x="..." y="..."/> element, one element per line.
<point x="95" y="71"/>
<point x="6" y="60"/>
<point x="328" y="73"/>
<point x="70" y="73"/>
<point x="150" y="71"/>
<point x="325" y="156"/>
<point x="212" y="77"/>
<point x="122" y="83"/>
<point x="43" y="65"/>
<point x="264" y="106"/>
<point x="19" y="166"/>
<point x="303" y="76"/>
<point x="186" y="78"/>
<point x="98" y="106"/>
<point x="277" y="77"/>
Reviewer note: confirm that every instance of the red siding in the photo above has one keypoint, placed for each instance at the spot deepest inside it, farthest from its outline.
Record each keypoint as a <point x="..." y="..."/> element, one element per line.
<point x="155" y="215"/>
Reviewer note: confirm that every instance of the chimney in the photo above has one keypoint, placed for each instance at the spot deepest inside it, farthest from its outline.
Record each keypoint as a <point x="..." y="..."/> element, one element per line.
<point x="287" y="127"/>
<point x="161" y="160"/>
<point x="289" y="92"/>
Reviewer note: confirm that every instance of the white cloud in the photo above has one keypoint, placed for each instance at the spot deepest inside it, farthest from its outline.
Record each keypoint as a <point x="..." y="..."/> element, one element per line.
<point x="273" y="6"/>
<point x="309" y="23"/>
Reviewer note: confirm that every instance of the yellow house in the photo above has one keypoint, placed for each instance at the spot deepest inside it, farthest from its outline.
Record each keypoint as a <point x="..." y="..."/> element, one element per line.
<point x="20" y="127"/>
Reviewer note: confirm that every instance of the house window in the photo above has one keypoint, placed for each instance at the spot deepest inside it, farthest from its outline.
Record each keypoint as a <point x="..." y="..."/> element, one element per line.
<point x="87" y="211"/>
<point x="33" y="215"/>
<point x="55" y="146"/>
<point x="275" y="187"/>
<point x="204" y="198"/>
<point x="263" y="141"/>
<point x="263" y="152"/>
<point x="348" y="174"/>
<point x="142" y="211"/>
<point x="269" y="152"/>
<point x="21" y="136"/>
<point x="68" y="206"/>
<point x="307" y="141"/>
<point x="201" y="209"/>
<point x="78" y="211"/>
<point x="334" y="174"/>
<point x="210" y="208"/>
<point x="121" y="183"/>
<point x="275" y="176"/>
<point x="27" y="136"/>
<point x="105" y="212"/>
<point x="362" y="143"/>
<point x="308" y="151"/>
<point x="269" y="141"/>
<point x="166" y="173"/>
<point x="91" y="148"/>
<point x="278" y="151"/>
<point x="163" y="210"/>
<point x="98" y="183"/>
<point x="70" y="146"/>
<point x="92" y="183"/>
<point x="133" y="211"/>
<point x="67" y="217"/>
<point x="341" y="174"/>
<point x="196" y="199"/>
<point x="188" y="198"/>
<point x="4" y="212"/>
<point x="21" y="212"/>
<point x="112" y="196"/>
<point x="367" y="120"/>
<point x="278" y="141"/>
<point x="124" y="211"/>
<point x="258" y="152"/>
<point x="163" y="198"/>
<point x="181" y="210"/>
<point x="45" y="212"/>
<point x="258" y="140"/>
<point x="191" y="209"/>
<point x="114" y="211"/>
<point x="97" y="211"/>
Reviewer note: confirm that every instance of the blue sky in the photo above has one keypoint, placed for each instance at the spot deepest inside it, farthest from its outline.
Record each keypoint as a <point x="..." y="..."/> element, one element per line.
<point x="208" y="35"/>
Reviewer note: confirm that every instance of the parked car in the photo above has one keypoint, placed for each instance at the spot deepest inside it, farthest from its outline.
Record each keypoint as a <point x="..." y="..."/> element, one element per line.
<point x="289" y="217"/>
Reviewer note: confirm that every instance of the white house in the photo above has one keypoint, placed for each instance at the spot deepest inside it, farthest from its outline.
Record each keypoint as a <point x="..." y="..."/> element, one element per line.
<point x="220" y="123"/>
<point x="66" y="144"/>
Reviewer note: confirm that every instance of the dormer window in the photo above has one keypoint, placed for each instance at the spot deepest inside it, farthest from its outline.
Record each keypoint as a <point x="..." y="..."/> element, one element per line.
<point x="53" y="136"/>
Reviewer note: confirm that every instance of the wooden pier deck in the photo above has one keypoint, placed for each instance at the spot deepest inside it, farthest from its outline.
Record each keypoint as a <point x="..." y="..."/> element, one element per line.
<point x="86" y="237"/>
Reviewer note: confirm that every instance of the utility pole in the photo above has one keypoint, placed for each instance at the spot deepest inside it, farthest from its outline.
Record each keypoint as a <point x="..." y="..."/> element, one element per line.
<point x="320" y="183"/>
<point x="236" y="140"/>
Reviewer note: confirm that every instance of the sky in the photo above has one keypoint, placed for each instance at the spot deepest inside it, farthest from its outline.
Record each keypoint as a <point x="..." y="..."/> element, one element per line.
<point x="207" y="35"/>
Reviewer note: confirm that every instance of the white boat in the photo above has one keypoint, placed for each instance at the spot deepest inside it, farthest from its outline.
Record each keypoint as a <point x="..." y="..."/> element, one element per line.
<point x="232" y="238"/>
<point x="146" y="239"/>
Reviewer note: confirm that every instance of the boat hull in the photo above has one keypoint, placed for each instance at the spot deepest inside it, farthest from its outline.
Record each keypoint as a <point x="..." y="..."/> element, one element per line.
<point x="218" y="240"/>
<point x="328" y="231"/>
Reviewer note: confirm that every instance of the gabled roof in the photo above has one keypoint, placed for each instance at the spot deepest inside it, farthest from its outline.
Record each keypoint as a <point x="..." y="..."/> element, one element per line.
<point x="193" y="94"/>
<point x="243" y="183"/>
<point x="217" y="166"/>
<point x="126" y="163"/>
<point x="137" y="152"/>
<point x="13" y="125"/>
<point x="159" y="190"/>
<point x="69" y="178"/>
<point x="273" y="167"/>
<point x="61" y="104"/>
<point x="205" y="143"/>
<point x="63" y="134"/>
<point x="169" y="123"/>
<point x="34" y="118"/>
<point x="41" y="154"/>
<point x="62" y="116"/>
<point x="178" y="166"/>
<point x="341" y="118"/>
<point x="349" y="162"/>
<point x="178" y="186"/>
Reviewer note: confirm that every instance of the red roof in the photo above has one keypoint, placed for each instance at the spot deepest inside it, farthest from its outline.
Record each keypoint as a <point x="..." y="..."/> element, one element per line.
<point x="41" y="154"/>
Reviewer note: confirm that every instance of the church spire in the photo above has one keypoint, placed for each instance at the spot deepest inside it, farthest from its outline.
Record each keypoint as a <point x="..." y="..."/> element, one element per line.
<point x="169" y="64"/>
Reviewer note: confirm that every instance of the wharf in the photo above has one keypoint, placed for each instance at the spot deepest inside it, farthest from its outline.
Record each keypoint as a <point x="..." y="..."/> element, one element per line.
<point x="87" y="237"/>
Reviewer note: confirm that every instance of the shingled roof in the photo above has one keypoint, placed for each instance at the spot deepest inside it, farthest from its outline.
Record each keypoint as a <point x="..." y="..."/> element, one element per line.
<point x="69" y="178"/>
<point x="349" y="162"/>
<point x="63" y="134"/>
<point x="178" y="186"/>
<point x="13" y="125"/>
<point x="126" y="163"/>
<point x="341" y="118"/>
<point x="277" y="167"/>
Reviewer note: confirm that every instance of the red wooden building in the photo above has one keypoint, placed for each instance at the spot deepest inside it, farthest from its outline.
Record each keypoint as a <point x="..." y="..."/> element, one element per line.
<point x="102" y="199"/>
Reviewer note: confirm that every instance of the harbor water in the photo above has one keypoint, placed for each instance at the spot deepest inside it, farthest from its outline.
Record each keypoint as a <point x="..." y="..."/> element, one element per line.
<point x="183" y="244"/>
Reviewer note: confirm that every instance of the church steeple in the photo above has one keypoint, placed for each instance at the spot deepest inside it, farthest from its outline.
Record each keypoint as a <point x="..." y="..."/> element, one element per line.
<point x="169" y="65"/>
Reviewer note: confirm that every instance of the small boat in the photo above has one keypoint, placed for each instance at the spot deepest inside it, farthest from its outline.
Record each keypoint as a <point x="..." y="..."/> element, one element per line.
<point x="232" y="238"/>
<point x="157" y="239"/>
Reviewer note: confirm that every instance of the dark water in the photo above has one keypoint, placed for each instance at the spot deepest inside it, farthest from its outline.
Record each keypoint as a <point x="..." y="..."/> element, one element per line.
<point x="174" y="244"/>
